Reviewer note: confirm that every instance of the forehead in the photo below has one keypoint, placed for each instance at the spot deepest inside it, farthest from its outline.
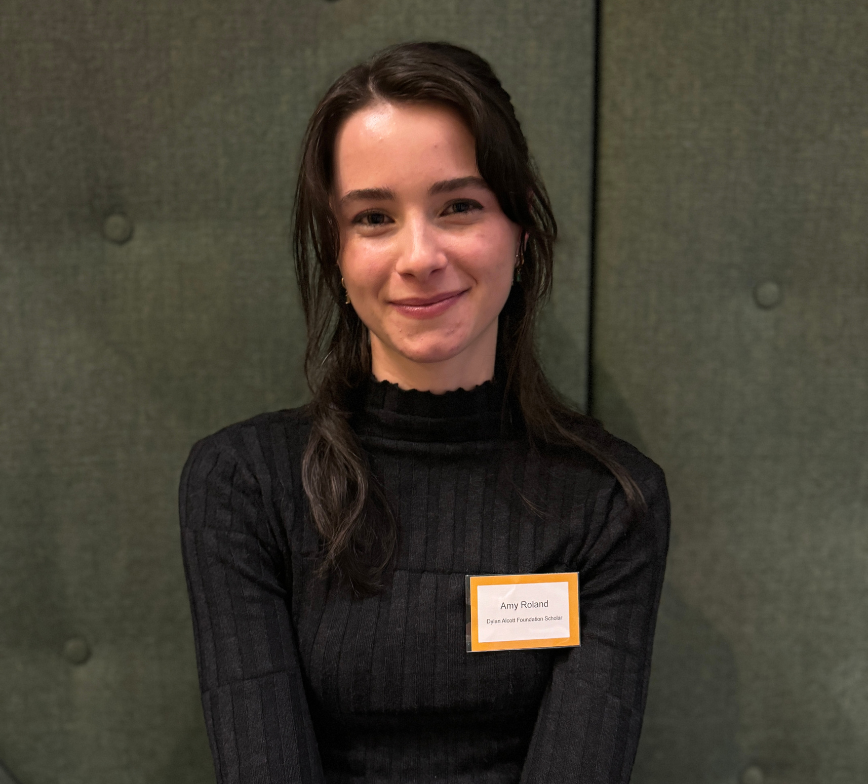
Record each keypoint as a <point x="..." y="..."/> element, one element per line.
<point x="385" y="144"/>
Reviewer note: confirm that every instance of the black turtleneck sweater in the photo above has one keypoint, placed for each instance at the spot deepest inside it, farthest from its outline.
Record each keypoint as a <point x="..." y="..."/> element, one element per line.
<point x="303" y="683"/>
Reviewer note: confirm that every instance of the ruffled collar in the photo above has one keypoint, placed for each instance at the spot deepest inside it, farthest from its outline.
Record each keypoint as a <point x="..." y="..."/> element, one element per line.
<point x="477" y="414"/>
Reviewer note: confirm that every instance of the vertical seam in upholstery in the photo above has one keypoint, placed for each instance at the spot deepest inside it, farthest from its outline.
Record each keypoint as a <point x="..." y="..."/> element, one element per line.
<point x="593" y="218"/>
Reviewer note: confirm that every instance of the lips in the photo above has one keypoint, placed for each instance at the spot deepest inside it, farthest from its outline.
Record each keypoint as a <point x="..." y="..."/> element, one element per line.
<point x="421" y="302"/>
<point x="426" y="307"/>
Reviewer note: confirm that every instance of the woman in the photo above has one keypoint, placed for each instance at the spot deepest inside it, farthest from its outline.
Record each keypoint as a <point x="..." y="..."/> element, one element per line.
<point x="326" y="547"/>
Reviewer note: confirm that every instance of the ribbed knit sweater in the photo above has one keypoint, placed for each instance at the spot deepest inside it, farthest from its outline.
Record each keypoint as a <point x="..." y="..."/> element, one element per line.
<point x="301" y="682"/>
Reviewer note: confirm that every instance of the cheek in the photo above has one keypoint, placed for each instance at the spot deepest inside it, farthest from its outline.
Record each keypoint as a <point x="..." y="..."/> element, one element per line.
<point x="366" y="277"/>
<point x="494" y="257"/>
<point x="363" y="268"/>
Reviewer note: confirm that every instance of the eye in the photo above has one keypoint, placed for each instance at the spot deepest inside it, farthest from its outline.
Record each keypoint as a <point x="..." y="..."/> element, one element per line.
<point x="462" y="207"/>
<point x="371" y="218"/>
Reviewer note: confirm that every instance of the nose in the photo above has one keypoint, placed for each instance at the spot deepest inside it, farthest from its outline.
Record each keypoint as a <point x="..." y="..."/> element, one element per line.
<point x="421" y="255"/>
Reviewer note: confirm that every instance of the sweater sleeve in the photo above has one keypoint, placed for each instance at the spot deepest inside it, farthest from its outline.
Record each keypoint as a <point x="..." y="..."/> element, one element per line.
<point x="589" y="721"/>
<point x="253" y="697"/>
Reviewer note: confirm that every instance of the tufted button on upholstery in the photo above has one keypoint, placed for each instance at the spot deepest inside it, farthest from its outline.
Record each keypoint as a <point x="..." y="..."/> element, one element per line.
<point x="76" y="650"/>
<point x="752" y="775"/>
<point x="767" y="294"/>
<point x="117" y="227"/>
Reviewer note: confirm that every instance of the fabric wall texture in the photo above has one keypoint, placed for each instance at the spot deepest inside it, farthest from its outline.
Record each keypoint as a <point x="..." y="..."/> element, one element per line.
<point x="730" y="334"/>
<point x="147" y="165"/>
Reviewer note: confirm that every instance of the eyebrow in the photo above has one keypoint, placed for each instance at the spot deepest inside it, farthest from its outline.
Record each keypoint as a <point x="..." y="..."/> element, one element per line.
<point x="387" y="194"/>
<point x="447" y="186"/>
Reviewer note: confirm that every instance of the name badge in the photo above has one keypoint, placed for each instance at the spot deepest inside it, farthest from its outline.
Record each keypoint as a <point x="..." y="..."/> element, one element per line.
<point x="508" y="612"/>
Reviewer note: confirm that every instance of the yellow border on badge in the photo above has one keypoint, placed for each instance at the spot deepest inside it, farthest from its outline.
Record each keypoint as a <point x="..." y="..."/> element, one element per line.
<point x="571" y="578"/>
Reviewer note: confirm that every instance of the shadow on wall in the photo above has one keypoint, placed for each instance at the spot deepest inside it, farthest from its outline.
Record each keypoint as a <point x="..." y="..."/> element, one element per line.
<point x="691" y="720"/>
<point x="564" y="356"/>
<point x="190" y="758"/>
<point x="692" y="717"/>
<point x="6" y="776"/>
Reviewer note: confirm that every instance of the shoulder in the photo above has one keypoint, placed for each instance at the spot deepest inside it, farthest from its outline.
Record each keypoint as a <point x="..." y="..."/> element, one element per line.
<point x="244" y="441"/>
<point x="610" y="508"/>
<point x="653" y="525"/>
<point x="644" y="471"/>
<point x="247" y="464"/>
<point x="641" y="468"/>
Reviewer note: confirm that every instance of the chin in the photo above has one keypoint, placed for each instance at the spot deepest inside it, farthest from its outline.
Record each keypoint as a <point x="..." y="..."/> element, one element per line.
<point x="430" y="356"/>
<point x="432" y="352"/>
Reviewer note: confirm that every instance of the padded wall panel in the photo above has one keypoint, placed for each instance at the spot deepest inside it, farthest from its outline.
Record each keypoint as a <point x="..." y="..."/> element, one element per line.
<point x="115" y="356"/>
<point x="731" y="325"/>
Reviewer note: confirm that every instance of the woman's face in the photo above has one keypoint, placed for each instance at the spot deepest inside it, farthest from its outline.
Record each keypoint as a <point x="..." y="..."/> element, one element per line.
<point x="427" y="255"/>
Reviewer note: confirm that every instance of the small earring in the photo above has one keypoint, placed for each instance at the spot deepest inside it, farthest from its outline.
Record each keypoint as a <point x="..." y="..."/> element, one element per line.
<point x="518" y="265"/>
<point x="347" y="293"/>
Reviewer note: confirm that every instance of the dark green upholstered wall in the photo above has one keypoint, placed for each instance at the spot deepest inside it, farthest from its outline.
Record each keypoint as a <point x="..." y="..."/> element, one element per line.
<point x="731" y="343"/>
<point x="730" y="319"/>
<point x="179" y="123"/>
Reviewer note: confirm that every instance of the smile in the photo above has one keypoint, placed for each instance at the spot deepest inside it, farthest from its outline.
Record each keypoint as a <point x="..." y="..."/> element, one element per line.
<point x="427" y="307"/>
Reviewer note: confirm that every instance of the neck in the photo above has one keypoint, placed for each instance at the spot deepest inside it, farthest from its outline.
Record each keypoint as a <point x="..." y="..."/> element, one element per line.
<point x="387" y="411"/>
<point x="466" y="370"/>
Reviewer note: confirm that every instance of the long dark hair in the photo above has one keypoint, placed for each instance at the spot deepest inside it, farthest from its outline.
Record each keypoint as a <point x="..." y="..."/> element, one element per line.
<point x="348" y="508"/>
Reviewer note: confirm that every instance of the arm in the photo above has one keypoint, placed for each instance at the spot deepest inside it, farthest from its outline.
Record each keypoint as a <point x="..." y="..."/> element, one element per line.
<point x="255" y="707"/>
<point x="589" y="721"/>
